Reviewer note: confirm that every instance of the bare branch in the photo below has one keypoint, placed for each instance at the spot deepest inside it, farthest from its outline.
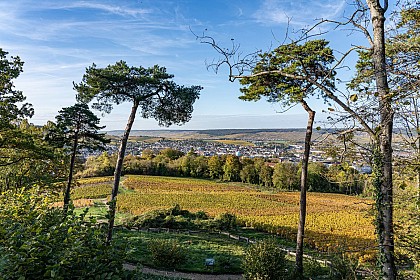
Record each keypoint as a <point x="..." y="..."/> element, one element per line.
<point x="231" y="57"/>
<point x="353" y="20"/>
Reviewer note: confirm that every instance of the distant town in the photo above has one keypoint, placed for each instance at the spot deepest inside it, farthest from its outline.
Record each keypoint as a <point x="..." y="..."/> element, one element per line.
<point x="243" y="143"/>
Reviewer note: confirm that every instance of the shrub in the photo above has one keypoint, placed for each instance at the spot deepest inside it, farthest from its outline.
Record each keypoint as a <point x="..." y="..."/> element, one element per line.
<point x="201" y="215"/>
<point x="225" y="221"/>
<point x="175" y="218"/>
<point x="225" y="263"/>
<point x="40" y="242"/>
<point x="344" y="268"/>
<point x="264" y="260"/>
<point x="314" y="269"/>
<point x="166" y="253"/>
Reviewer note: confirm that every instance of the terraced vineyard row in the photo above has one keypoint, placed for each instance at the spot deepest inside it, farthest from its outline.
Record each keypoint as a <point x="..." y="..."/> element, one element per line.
<point x="92" y="191"/>
<point x="334" y="223"/>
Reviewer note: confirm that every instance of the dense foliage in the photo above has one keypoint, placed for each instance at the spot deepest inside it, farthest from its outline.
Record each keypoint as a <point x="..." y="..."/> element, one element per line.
<point x="173" y="218"/>
<point x="177" y="218"/>
<point x="39" y="242"/>
<point x="25" y="158"/>
<point x="12" y="107"/>
<point x="167" y="253"/>
<point x="265" y="260"/>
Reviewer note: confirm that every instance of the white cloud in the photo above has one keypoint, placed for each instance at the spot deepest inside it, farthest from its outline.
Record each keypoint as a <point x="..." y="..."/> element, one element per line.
<point x="58" y="39"/>
<point x="299" y="13"/>
<point x="114" y="9"/>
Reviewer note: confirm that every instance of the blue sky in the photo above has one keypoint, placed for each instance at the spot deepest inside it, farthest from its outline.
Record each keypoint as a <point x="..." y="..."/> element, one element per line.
<point x="58" y="39"/>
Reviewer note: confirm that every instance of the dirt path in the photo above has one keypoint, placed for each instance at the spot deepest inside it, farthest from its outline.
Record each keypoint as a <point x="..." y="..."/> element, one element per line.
<point x="192" y="276"/>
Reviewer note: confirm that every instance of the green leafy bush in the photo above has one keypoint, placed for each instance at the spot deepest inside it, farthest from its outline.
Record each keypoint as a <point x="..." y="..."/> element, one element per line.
<point x="225" y="221"/>
<point x="177" y="218"/>
<point x="344" y="268"/>
<point x="201" y="215"/>
<point x="39" y="242"/>
<point x="174" y="218"/>
<point x="166" y="253"/>
<point x="313" y="269"/>
<point x="225" y="263"/>
<point x="265" y="260"/>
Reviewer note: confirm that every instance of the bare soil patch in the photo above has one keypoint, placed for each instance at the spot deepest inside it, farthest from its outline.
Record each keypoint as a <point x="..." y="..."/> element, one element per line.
<point x="192" y="276"/>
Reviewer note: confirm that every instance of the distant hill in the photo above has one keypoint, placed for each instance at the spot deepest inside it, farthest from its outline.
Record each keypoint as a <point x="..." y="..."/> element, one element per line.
<point x="288" y="134"/>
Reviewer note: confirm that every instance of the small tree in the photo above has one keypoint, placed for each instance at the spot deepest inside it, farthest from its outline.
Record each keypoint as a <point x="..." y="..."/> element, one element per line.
<point x="285" y="176"/>
<point x="266" y="176"/>
<point x="215" y="166"/>
<point x="151" y="89"/>
<point x="77" y="127"/>
<point x="249" y="174"/>
<point x="231" y="169"/>
<point x="171" y="153"/>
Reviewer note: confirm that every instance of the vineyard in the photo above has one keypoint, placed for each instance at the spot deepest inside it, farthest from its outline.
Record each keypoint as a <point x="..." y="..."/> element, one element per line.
<point x="334" y="222"/>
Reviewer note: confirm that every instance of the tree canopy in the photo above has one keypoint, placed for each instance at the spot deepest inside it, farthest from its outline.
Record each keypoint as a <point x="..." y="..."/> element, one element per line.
<point x="12" y="107"/>
<point x="77" y="121"/>
<point x="278" y="75"/>
<point x="152" y="89"/>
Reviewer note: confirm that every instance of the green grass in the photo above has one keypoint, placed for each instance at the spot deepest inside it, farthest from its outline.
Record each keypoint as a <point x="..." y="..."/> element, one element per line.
<point x="99" y="211"/>
<point x="198" y="246"/>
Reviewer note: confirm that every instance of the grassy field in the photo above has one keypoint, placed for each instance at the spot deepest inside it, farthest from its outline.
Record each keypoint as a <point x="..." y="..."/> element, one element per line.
<point x="227" y="253"/>
<point x="334" y="222"/>
<point x="235" y="142"/>
<point x="198" y="247"/>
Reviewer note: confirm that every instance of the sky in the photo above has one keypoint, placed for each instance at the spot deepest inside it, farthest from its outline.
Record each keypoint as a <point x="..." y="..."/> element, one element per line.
<point x="58" y="39"/>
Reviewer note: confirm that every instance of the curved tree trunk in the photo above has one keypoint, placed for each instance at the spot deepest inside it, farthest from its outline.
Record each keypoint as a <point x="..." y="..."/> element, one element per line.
<point x="118" y="169"/>
<point x="70" y="178"/>
<point x="384" y="191"/>
<point x="303" y="188"/>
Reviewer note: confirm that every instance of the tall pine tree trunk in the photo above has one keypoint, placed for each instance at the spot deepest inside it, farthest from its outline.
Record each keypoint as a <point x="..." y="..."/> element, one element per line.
<point x="70" y="177"/>
<point x="118" y="169"/>
<point x="303" y="188"/>
<point x="383" y="149"/>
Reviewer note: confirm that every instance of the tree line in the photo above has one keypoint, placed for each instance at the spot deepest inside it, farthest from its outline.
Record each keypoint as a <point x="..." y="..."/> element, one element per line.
<point x="338" y="178"/>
